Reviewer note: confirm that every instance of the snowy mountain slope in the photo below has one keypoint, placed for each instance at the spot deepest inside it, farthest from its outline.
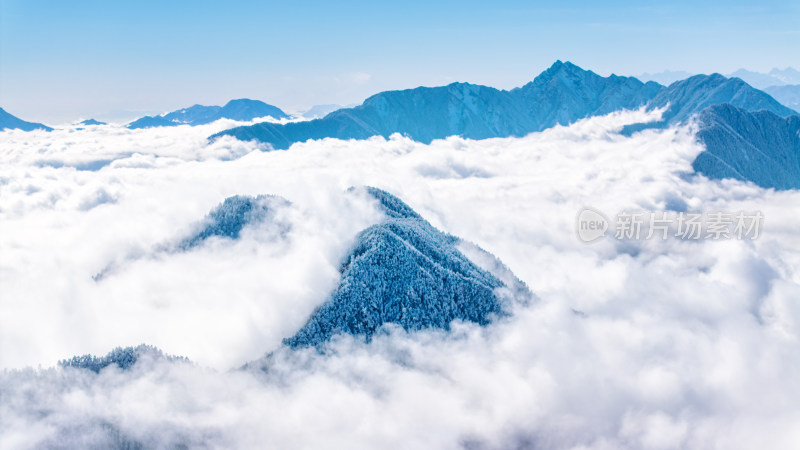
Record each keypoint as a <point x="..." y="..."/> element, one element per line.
<point x="234" y="214"/>
<point x="696" y="93"/>
<point x="406" y="272"/>
<point x="760" y="146"/>
<point x="565" y="93"/>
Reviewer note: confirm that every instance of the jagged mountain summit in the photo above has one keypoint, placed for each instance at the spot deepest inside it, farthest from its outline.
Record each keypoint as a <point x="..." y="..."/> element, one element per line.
<point x="759" y="146"/>
<point x="561" y="95"/>
<point x="241" y="110"/>
<point x="403" y="271"/>
<point x="10" y="122"/>
<point x="565" y="93"/>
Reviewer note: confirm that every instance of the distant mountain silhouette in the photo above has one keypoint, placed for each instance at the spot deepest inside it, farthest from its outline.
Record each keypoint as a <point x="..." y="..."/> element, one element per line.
<point x="788" y="95"/>
<point x="775" y="77"/>
<point x="152" y="122"/>
<point x="788" y="75"/>
<point x="91" y="122"/>
<point x="666" y="77"/>
<point x="319" y="111"/>
<point x="242" y="110"/>
<point x="9" y="122"/>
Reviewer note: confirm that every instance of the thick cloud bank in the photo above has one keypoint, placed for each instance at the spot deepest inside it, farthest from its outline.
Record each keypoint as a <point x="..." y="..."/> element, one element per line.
<point x="630" y="344"/>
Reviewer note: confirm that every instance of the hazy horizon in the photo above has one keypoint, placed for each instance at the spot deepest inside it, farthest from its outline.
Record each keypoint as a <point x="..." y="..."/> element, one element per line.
<point x="61" y="62"/>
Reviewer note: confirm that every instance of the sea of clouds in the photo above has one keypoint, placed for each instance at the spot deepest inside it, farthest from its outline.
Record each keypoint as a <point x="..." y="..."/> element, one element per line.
<point x="629" y="344"/>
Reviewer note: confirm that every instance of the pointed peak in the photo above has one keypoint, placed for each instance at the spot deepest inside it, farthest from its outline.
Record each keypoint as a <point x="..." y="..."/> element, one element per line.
<point x="389" y="204"/>
<point x="560" y="68"/>
<point x="565" y="66"/>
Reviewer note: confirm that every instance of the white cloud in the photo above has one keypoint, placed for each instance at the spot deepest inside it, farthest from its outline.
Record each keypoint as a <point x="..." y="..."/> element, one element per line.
<point x="656" y="344"/>
<point x="359" y="77"/>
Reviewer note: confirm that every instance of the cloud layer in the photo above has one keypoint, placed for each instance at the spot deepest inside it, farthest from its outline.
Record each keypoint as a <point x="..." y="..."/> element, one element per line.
<point x="640" y="344"/>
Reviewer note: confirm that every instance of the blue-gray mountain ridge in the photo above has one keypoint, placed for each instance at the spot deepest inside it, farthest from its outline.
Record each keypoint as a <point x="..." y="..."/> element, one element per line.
<point x="560" y="95"/>
<point x="10" y="122"/>
<point x="241" y="109"/>
<point x="759" y="146"/>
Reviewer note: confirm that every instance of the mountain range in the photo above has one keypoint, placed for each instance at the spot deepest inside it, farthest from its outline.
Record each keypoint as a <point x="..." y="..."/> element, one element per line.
<point x="560" y="95"/>
<point x="10" y="122"/>
<point x="241" y="110"/>
<point x="775" y="77"/>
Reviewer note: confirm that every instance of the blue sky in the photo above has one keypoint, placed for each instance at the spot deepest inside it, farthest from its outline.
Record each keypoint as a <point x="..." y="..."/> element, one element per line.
<point x="63" y="60"/>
